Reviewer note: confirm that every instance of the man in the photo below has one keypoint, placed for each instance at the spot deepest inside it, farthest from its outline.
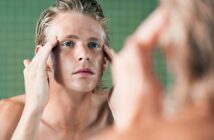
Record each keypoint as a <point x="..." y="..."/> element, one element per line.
<point x="185" y="31"/>
<point x="63" y="97"/>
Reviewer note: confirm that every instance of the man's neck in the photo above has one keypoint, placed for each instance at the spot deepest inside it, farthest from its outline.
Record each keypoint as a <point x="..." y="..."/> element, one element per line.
<point x="69" y="110"/>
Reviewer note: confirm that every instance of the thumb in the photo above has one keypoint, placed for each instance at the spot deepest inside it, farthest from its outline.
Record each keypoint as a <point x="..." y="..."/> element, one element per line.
<point x="26" y="62"/>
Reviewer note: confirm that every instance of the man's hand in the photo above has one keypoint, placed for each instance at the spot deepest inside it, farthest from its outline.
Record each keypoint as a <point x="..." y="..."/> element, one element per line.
<point x="137" y="93"/>
<point x="35" y="76"/>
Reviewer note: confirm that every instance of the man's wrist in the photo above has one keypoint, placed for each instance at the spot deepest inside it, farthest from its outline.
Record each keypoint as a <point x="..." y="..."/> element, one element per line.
<point x="33" y="109"/>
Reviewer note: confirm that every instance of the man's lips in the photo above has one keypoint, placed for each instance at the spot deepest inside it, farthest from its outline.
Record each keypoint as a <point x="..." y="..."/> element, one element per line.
<point x="84" y="71"/>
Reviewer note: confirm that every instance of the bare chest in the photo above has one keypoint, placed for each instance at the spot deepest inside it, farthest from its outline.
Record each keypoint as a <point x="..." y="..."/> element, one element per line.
<point x="46" y="133"/>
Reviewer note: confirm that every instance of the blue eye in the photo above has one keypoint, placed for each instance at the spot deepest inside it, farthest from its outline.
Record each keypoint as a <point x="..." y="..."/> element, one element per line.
<point x="69" y="43"/>
<point x="93" y="45"/>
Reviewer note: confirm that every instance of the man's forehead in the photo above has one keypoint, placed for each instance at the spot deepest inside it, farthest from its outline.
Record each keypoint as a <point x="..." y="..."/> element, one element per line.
<point x="91" y="38"/>
<point x="80" y="35"/>
<point x="79" y="25"/>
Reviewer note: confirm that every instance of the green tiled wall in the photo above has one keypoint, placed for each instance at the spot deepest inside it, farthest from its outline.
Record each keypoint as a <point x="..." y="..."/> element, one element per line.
<point x="17" y="26"/>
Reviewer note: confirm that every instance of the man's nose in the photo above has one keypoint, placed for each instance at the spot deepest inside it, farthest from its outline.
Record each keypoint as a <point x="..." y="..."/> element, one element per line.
<point x="83" y="53"/>
<point x="82" y="58"/>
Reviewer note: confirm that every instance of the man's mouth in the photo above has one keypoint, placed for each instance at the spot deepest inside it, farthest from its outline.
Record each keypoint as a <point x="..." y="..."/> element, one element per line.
<point x="84" y="71"/>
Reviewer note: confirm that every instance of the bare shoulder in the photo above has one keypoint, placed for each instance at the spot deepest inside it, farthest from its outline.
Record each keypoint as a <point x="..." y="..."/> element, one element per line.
<point x="12" y="104"/>
<point x="10" y="113"/>
<point x="11" y="108"/>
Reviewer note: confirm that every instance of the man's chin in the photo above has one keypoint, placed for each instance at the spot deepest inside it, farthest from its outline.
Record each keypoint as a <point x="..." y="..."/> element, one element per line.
<point x="83" y="89"/>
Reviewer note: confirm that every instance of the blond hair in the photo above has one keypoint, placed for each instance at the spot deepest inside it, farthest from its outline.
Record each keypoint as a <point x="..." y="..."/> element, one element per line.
<point x="87" y="7"/>
<point x="197" y="57"/>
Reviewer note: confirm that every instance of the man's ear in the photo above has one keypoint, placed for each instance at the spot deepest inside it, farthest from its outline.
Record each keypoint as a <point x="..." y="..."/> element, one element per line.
<point x="37" y="48"/>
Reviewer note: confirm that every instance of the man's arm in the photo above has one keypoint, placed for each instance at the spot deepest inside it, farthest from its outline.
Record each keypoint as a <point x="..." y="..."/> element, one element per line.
<point x="134" y="65"/>
<point x="37" y="90"/>
<point x="28" y="124"/>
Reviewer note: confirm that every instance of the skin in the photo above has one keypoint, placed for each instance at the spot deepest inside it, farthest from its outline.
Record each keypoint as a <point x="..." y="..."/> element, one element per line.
<point x="60" y="103"/>
<point x="145" y="117"/>
<point x="138" y="70"/>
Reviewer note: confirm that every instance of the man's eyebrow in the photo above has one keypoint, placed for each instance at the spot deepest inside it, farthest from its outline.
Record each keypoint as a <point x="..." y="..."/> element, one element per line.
<point x="95" y="39"/>
<point x="89" y="39"/>
<point x="72" y="36"/>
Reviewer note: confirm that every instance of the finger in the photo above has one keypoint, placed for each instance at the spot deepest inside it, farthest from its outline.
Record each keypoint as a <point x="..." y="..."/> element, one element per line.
<point x="26" y="62"/>
<point x="144" y="75"/>
<point x="131" y="66"/>
<point x="149" y="31"/>
<point x="109" y="53"/>
<point x="147" y="36"/>
<point x="42" y="52"/>
<point x="48" y="47"/>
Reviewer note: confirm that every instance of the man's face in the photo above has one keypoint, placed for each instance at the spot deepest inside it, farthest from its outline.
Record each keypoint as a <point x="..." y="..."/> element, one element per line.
<point x="78" y="59"/>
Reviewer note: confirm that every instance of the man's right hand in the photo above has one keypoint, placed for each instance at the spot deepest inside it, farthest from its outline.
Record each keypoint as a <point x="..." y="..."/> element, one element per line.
<point x="36" y="78"/>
